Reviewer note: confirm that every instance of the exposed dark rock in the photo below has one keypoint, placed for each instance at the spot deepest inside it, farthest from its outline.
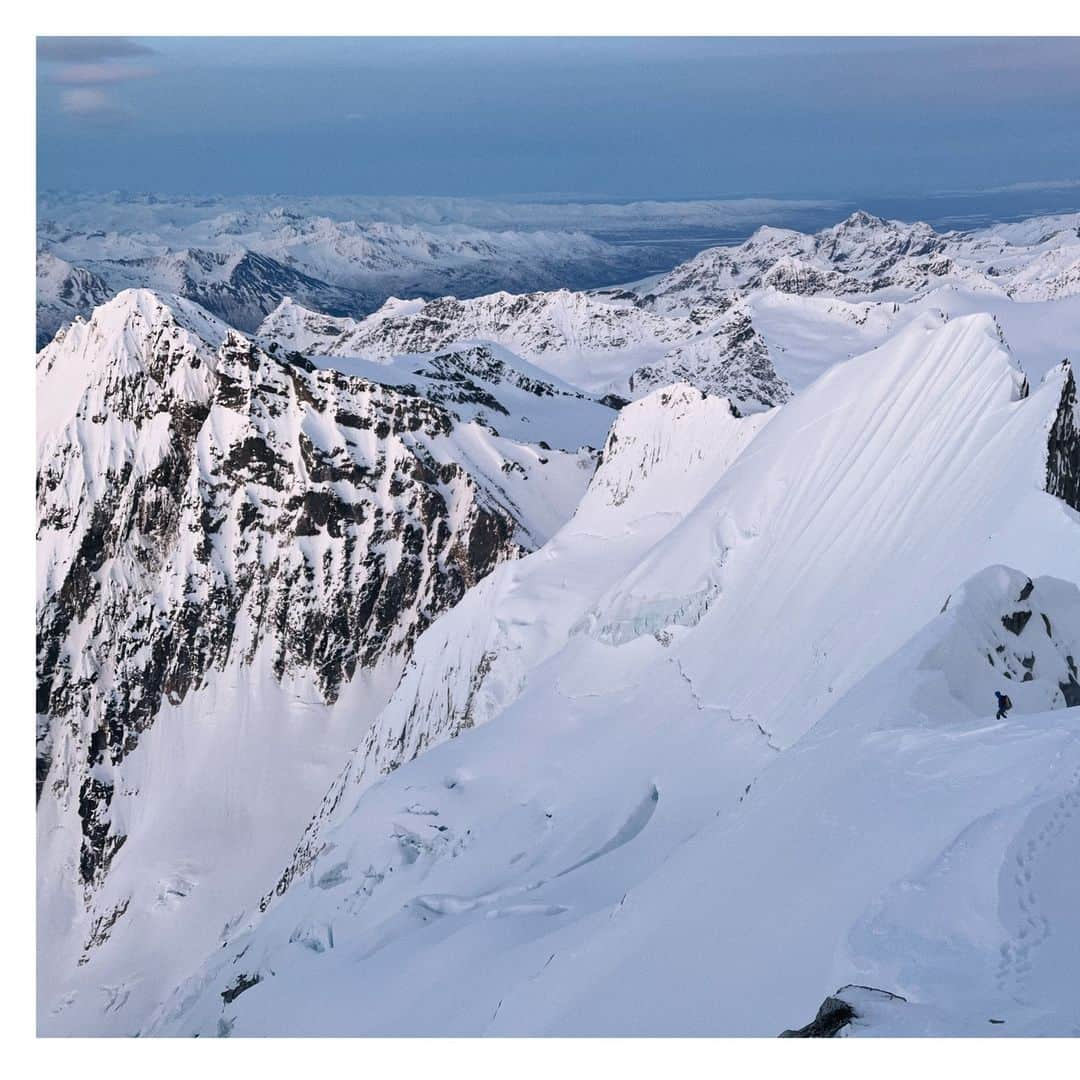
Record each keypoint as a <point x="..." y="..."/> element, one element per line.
<point x="242" y="983"/>
<point x="1015" y="621"/>
<point x="834" y="1015"/>
<point x="267" y="488"/>
<point x="1071" y="692"/>
<point x="1063" y="447"/>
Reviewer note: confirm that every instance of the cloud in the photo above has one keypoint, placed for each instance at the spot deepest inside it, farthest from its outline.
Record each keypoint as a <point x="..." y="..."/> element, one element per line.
<point x="88" y="50"/>
<point x="98" y="74"/>
<point x="88" y="66"/>
<point x="86" y="101"/>
<point x="1039" y="185"/>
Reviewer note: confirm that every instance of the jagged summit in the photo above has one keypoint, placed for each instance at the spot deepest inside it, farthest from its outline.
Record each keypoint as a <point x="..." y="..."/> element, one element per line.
<point x="137" y="334"/>
<point x="862" y="219"/>
<point x="211" y="520"/>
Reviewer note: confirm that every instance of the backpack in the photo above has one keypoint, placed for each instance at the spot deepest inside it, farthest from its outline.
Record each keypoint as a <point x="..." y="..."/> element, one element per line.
<point x="1006" y="701"/>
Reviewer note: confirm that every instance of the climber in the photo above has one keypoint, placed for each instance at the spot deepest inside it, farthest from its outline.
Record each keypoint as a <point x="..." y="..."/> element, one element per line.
<point x="1004" y="704"/>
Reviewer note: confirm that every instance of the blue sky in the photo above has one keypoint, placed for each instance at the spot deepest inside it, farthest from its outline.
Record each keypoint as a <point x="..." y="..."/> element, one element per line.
<point x="628" y="117"/>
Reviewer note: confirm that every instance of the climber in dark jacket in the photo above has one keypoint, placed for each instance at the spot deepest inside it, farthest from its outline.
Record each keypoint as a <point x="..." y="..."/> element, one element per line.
<point x="1004" y="705"/>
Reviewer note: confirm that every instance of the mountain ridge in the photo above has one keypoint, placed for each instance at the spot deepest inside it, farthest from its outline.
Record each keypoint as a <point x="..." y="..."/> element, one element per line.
<point x="559" y="638"/>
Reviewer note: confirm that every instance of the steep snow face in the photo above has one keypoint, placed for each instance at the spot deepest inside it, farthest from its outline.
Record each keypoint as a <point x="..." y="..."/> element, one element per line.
<point x="662" y="454"/>
<point x="598" y="342"/>
<point x="765" y="706"/>
<point x="226" y="533"/>
<point x="806" y="335"/>
<point x="905" y="459"/>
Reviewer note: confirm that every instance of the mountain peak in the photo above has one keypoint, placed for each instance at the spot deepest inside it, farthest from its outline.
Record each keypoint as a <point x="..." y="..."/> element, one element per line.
<point x="862" y="219"/>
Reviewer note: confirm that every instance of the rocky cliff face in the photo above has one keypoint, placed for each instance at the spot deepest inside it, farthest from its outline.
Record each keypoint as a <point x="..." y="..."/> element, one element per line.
<point x="201" y="502"/>
<point x="730" y="359"/>
<point x="1063" y="445"/>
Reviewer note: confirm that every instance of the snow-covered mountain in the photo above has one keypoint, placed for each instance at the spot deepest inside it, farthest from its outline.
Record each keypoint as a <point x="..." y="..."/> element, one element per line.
<point x="607" y="347"/>
<point x="239" y="264"/>
<point x="207" y="512"/>
<point x="370" y="703"/>
<point x="64" y="292"/>
<point x="866" y="255"/>
<point x="775" y="310"/>
<point x="756" y="759"/>
<point x="240" y="287"/>
<point x="747" y="322"/>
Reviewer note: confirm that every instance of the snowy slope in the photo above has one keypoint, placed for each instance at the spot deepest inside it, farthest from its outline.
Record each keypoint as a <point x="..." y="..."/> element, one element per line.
<point x="663" y="453"/>
<point x="235" y="555"/>
<point x="508" y="883"/>
<point x="681" y="810"/>
<point x="323" y="749"/>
